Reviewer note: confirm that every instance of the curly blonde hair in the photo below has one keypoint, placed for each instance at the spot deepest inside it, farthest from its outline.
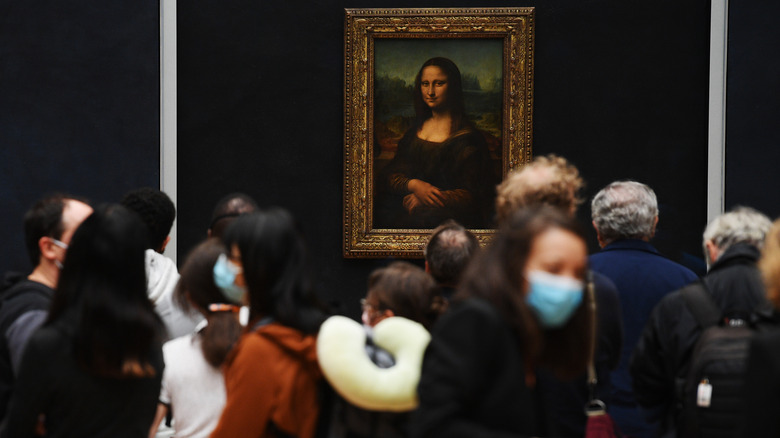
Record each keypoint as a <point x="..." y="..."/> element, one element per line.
<point x="547" y="180"/>
<point x="770" y="264"/>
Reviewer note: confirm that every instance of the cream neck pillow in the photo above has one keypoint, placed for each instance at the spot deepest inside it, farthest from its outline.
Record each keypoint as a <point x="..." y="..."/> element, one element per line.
<point x="342" y="356"/>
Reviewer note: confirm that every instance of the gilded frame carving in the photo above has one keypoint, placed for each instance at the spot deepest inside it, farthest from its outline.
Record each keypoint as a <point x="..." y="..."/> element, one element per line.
<point x="514" y="27"/>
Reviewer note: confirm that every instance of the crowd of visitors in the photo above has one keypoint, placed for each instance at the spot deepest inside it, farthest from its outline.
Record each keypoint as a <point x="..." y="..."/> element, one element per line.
<point x="514" y="337"/>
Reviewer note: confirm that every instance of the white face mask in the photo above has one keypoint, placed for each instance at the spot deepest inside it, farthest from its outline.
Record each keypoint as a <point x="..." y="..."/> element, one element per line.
<point x="62" y="245"/>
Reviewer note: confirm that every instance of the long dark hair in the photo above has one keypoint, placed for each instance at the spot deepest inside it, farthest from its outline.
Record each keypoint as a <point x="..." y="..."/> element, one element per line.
<point x="408" y="291"/>
<point x="103" y="283"/>
<point x="497" y="275"/>
<point x="196" y="289"/>
<point x="455" y="101"/>
<point x="273" y="255"/>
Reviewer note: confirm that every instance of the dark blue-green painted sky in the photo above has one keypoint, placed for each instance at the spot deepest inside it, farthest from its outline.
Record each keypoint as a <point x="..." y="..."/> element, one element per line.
<point x="402" y="58"/>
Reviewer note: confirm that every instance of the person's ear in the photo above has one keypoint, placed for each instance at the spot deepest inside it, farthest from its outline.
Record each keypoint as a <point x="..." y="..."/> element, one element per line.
<point x="655" y="224"/>
<point x="383" y="315"/>
<point x="602" y="244"/>
<point x="47" y="248"/>
<point x="712" y="251"/>
<point x="427" y="268"/>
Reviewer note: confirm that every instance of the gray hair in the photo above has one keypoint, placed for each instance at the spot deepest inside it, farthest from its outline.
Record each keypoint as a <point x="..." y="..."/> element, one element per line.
<point x="740" y="225"/>
<point x="624" y="210"/>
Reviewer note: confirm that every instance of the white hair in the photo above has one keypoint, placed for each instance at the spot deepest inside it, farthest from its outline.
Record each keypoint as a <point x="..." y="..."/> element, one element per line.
<point x="625" y="210"/>
<point x="740" y="225"/>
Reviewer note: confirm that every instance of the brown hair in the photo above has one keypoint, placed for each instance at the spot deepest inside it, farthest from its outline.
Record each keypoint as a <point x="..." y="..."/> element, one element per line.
<point x="548" y="180"/>
<point x="770" y="264"/>
<point x="196" y="289"/>
<point x="407" y="291"/>
<point x="496" y="275"/>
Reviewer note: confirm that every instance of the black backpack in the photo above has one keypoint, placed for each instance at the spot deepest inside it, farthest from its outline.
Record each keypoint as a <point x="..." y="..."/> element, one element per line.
<point x="712" y="395"/>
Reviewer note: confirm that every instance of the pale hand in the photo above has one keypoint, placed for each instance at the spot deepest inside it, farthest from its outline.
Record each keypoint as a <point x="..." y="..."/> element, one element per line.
<point x="427" y="194"/>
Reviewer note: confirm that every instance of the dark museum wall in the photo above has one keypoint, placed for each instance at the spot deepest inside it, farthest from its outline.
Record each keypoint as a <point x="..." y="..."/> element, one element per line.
<point x="753" y="107"/>
<point x="620" y="89"/>
<point x="79" y="105"/>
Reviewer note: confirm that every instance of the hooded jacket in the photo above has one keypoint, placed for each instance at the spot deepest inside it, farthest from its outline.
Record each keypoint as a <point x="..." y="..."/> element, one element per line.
<point x="162" y="277"/>
<point x="272" y="379"/>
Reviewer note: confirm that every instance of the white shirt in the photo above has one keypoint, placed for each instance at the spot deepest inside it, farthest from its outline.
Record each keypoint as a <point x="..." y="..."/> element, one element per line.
<point x="194" y="389"/>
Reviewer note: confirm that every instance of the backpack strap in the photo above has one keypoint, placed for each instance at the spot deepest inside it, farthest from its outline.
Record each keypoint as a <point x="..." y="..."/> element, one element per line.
<point x="701" y="305"/>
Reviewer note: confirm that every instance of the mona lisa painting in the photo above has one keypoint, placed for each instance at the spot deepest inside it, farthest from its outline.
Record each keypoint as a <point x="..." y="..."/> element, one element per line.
<point x="437" y="110"/>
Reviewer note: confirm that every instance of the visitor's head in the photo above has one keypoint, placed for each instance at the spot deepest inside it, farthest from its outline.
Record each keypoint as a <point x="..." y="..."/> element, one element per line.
<point x="449" y="251"/>
<point x="741" y="225"/>
<point x="402" y="289"/>
<point x="228" y="209"/>
<point x="624" y="210"/>
<point x="49" y="226"/>
<point x="547" y="180"/>
<point x="157" y="212"/>
<point x="268" y="249"/>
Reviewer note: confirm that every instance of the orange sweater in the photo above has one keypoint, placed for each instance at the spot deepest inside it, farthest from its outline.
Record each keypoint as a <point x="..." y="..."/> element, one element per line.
<point x="271" y="377"/>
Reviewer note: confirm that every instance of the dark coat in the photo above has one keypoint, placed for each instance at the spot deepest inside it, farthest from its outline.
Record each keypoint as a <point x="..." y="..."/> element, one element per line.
<point x="762" y="387"/>
<point x="565" y="400"/>
<point x="643" y="277"/>
<point x="473" y="379"/>
<point x="661" y="360"/>
<point x="18" y="296"/>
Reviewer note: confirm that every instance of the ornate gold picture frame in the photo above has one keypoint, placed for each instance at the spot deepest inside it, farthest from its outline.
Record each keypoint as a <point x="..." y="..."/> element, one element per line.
<point x="402" y="66"/>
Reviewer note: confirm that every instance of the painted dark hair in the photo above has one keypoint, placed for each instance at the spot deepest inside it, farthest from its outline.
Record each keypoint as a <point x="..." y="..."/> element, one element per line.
<point x="273" y="255"/>
<point x="408" y="291"/>
<point x="103" y="283"/>
<point x="497" y="275"/>
<point x="196" y="289"/>
<point x="455" y="101"/>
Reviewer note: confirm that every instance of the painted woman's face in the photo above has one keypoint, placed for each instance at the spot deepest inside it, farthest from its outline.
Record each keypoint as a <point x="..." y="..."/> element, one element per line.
<point x="433" y="84"/>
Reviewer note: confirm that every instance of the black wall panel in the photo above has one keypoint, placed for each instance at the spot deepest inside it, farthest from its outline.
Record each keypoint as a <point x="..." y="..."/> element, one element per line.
<point x="79" y="105"/>
<point x="620" y="90"/>
<point x="753" y="107"/>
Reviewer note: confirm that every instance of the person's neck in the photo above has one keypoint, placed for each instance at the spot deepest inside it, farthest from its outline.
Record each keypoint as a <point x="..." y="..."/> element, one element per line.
<point x="441" y="115"/>
<point x="45" y="274"/>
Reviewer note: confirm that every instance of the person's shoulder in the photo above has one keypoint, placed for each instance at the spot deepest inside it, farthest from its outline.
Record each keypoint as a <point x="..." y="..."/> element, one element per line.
<point x="25" y="295"/>
<point x="182" y="343"/>
<point x="470" y="313"/>
<point x="672" y="267"/>
<point x="468" y="136"/>
<point x="50" y="338"/>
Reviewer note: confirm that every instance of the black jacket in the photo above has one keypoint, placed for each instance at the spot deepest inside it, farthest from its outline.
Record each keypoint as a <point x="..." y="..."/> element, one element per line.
<point x="565" y="400"/>
<point x="473" y="379"/>
<point x="18" y="295"/>
<point x="661" y="359"/>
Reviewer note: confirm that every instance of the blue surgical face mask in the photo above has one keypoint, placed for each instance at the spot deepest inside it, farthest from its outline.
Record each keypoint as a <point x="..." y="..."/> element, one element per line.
<point x="553" y="298"/>
<point x="225" y="273"/>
